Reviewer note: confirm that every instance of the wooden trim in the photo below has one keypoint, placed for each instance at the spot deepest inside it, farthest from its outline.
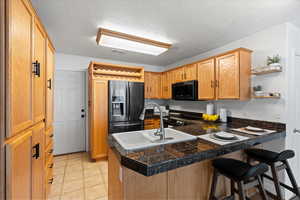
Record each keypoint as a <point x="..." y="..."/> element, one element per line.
<point x="2" y="95"/>
<point x="116" y="34"/>
<point x="100" y="64"/>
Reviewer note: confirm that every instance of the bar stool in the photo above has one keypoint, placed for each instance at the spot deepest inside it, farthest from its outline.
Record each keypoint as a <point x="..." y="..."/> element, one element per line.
<point x="245" y="175"/>
<point x="272" y="158"/>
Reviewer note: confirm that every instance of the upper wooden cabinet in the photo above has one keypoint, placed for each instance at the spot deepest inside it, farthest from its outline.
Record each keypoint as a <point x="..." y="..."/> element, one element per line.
<point x="166" y="85"/>
<point x="39" y="72"/>
<point x="190" y="72"/>
<point x="177" y="75"/>
<point x="20" y="66"/>
<point x="152" y="85"/>
<point x="233" y="71"/>
<point x="206" y="79"/>
<point x="185" y="73"/>
<point x="49" y="84"/>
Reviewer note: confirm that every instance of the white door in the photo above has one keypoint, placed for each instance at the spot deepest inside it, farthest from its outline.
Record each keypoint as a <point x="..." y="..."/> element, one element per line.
<point x="69" y="112"/>
<point x="293" y="125"/>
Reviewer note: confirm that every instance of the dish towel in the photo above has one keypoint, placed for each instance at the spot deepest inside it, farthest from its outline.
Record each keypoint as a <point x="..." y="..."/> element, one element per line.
<point x="209" y="137"/>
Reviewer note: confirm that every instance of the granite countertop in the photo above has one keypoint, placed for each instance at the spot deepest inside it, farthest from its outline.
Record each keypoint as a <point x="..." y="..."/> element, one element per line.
<point x="166" y="157"/>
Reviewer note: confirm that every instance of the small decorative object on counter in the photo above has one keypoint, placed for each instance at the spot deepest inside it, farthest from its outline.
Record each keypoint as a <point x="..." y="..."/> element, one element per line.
<point x="258" y="90"/>
<point x="211" y="118"/>
<point x="223" y="115"/>
<point x="210" y="109"/>
<point x="273" y="61"/>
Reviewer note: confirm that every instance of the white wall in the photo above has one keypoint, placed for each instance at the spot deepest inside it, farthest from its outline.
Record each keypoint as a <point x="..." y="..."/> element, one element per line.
<point x="74" y="62"/>
<point x="265" y="43"/>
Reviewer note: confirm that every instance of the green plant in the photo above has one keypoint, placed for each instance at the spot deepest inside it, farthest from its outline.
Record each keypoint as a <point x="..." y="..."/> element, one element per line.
<point x="274" y="59"/>
<point x="257" y="88"/>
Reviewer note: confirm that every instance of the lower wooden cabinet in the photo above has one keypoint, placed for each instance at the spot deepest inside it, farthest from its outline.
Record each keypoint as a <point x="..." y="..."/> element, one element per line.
<point x="98" y="108"/>
<point x="152" y="123"/>
<point x="25" y="174"/>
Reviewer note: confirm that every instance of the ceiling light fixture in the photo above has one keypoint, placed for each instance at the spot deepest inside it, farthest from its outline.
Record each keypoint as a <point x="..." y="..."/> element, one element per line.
<point x="117" y="40"/>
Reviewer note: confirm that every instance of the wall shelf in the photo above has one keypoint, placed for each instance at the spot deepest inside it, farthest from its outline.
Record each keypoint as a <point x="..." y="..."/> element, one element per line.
<point x="265" y="70"/>
<point x="266" y="97"/>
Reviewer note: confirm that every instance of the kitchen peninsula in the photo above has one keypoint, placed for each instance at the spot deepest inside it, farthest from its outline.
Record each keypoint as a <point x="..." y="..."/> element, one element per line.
<point x="181" y="170"/>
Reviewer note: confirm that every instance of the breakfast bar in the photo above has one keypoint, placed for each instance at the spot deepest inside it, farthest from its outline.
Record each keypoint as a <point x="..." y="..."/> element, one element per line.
<point x="181" y="170"/>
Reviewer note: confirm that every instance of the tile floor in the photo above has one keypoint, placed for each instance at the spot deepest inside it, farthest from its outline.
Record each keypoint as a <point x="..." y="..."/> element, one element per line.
<point x="77" y="178"/>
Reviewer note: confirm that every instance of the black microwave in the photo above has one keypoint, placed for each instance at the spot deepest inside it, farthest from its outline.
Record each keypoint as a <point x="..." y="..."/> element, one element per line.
<point x="185" y="91"/>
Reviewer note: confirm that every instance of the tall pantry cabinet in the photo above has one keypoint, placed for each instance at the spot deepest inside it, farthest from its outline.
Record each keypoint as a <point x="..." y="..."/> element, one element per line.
<point x="29" y="103"/>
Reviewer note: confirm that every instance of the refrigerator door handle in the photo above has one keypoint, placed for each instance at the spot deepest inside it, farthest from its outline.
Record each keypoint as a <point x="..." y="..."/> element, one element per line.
<point x="128" y="99"/>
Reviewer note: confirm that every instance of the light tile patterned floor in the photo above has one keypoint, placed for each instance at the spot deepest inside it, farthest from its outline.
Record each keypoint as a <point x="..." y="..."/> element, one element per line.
<point x="77" y="178"/>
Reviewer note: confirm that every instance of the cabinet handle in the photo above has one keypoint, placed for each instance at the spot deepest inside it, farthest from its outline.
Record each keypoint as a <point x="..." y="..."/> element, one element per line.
<point x="50" y="181"/>
<point x="51" y="136"/>
<point x="51" y="165"/>
<point x="185" y="75"/>
<point x="36" y="149"/>
<point x="36" y="68"/>
<point x="49" y="84"/>
<point x="212" y="84"/>
<point x="51" y="151"/>
<point x="216" y="83"/>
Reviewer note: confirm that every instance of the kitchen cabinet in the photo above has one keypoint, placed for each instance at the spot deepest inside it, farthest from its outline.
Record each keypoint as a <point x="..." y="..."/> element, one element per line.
<point x="190" y="72"/>
<point x="20" y="70"/>
<point x="166" y="85"/>
<point x="152" y="85"/>
<point x="206" y="79"/>
<point x="233" y="71"/>
<point x="49" y="84"/>
<point x="99" y="118"/>
<point x="152" y="123"/>
<point x="28" y="67"/>
<point x="39" y="70"/>
<point x="19" y="157"/>
<point x="26" y="150"/>
<point x="184" y="73"/>
<point x="38" y="159"/>
<point x="177" y="75"/>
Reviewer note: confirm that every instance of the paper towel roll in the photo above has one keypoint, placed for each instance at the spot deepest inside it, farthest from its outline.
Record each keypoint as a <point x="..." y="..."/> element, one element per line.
<point x="210" y="109"/>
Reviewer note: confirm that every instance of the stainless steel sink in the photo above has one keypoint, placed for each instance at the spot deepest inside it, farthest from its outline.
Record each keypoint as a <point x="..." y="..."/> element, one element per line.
<point x="146" y="138"/>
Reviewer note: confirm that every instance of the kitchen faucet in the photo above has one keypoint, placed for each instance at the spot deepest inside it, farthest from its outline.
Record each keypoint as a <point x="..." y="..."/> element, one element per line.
<point x="161" y="131"/>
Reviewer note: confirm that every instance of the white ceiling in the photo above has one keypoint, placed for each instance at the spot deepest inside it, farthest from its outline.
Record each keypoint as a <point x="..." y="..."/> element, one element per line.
<point x="192" y="26"/>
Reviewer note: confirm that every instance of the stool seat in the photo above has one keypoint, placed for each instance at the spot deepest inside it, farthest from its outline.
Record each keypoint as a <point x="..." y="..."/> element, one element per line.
<point x="270" y="156"/>
<point x="238" y="170"/>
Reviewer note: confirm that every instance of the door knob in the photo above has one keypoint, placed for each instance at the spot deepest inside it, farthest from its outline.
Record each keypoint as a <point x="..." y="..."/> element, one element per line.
<point x="296" y="130"/>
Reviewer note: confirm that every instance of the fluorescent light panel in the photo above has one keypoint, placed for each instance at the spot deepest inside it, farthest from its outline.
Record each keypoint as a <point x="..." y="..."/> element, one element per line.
<point x="127" y="42"/>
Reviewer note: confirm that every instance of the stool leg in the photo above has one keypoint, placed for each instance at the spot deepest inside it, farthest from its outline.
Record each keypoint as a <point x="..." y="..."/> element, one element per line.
<point x="214" y="185"/>
<point x="241" y="190"/>
<point x="292" y="178"/>
<point x="261" y="188"/>
<point x="276" y="181"/>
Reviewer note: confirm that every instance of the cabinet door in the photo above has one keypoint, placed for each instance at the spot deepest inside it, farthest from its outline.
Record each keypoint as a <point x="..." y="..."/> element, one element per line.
<point x="206" y="80"/>
<point x="38" y="162"/>
<point x="177" y="75"/>
<point x="18" y="175"/>
<point x="147" y="82"/>
<point x="228" y="76"/>
<point x="20" y="66"/>
<point x="156" y="85"/>
<point x="190" y="72"/>
<point x="39" y="75"/>
<point x="49" y="85"/>
<point x="99" y="119"/>
<point x="166" y="85"/>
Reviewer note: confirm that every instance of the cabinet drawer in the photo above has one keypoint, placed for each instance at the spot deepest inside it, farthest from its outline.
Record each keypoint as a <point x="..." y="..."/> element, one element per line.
<point x="49" y="180"/>
<point x="49" y="163"/>
<point x="49" y="136"/>
<point x="49" y="151"/>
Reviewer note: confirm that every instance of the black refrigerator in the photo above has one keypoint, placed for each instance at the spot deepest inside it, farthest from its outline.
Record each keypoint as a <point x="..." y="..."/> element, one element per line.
<point x="126" y="103"/>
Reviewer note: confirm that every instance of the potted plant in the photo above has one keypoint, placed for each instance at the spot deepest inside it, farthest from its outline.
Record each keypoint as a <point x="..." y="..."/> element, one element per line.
<point x="274" y="61"/>
<point x="258" y="90"/>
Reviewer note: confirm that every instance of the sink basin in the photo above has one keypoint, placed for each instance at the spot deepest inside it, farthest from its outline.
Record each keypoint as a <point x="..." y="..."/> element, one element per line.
<point x="143" y="139"/>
